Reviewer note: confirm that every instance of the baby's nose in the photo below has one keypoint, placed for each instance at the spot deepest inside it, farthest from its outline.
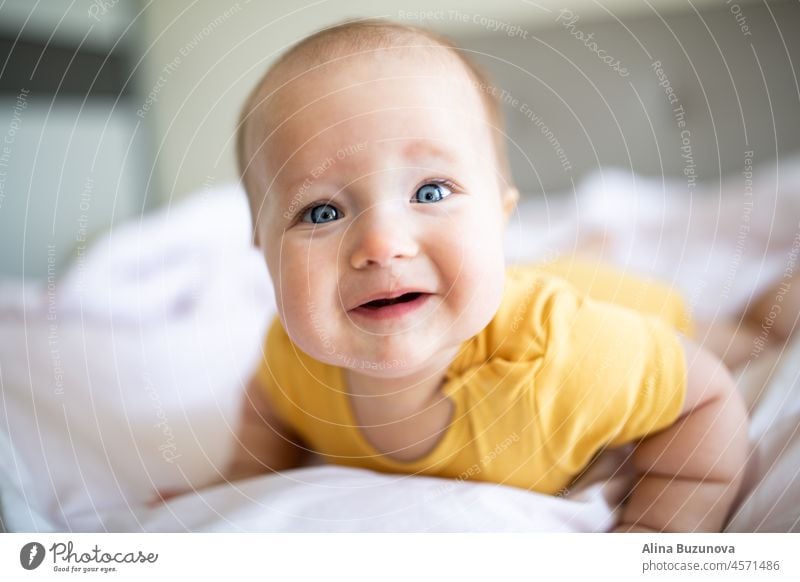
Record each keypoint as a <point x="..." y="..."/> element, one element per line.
<point x="382" y="235"/>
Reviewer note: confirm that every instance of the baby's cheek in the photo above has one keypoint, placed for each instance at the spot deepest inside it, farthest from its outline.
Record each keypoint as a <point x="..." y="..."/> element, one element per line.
<point x="482" y="239"/>
<point x="295" y="297"/>
<point x="308" y="289"/>
<point x="291" y="293"/>
<point x="483" y="269"/>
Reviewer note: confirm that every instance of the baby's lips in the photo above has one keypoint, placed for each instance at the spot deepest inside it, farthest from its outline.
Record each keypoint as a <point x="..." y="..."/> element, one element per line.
<point x="387" y="295"/>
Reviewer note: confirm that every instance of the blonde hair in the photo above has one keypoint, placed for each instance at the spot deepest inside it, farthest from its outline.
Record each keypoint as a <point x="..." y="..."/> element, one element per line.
<point x="348" y="38"/>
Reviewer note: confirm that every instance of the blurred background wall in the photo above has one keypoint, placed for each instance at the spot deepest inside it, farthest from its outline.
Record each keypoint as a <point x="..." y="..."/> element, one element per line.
<point x="109" y="108"/>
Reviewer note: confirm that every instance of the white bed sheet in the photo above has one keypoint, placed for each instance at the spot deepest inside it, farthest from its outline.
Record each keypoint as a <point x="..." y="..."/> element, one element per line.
<point x="125" y="377"/>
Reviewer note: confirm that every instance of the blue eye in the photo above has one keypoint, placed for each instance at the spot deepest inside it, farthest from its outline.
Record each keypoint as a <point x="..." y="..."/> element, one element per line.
<point x="427" y="193"/>
<point x="320" y="214"/>
<point x="432" y="192"/>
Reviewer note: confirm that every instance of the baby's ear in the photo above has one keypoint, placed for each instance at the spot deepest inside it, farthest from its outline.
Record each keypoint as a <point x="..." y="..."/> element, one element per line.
<point x="510" y="199"/>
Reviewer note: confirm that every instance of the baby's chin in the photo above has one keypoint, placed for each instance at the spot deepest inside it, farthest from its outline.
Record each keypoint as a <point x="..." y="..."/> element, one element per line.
<point x="389" y="359"/>
<point x="388" y="364"/>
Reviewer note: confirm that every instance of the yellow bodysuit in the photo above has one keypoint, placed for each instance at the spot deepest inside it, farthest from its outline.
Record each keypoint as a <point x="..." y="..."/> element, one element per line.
<point x="576" y="359"/>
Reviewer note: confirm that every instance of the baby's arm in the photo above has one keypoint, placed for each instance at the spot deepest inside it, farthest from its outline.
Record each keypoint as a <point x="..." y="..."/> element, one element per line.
<point x="691" y="471"/>
<point x="264" y="443"/>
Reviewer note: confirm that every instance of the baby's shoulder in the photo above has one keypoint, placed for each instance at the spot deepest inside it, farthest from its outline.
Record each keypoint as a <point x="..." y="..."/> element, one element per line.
<point x="543" y="312"/>
<point x="532" y="301"/>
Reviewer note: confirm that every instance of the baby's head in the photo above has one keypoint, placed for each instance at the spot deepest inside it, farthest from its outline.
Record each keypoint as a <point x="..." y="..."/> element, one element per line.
<point x="372" y="154"/>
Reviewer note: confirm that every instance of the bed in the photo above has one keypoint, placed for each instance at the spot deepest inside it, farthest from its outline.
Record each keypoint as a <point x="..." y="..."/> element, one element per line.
<point x="123" y="375"/>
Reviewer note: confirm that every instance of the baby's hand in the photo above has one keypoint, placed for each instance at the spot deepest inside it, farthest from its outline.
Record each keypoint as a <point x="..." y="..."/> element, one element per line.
<point x="629" y="528"/>
<point x="691" y="472"/>
<point x="162" y="495"/>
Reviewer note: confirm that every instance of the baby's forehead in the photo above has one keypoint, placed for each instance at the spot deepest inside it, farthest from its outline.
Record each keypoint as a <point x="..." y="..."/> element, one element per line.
<point x="298" y="83"/>
<point x="397" y="92"/>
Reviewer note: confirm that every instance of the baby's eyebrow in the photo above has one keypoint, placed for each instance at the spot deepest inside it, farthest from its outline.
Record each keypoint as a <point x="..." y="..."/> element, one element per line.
<point x="418" y="150"/>
<point x="426" y="149"/>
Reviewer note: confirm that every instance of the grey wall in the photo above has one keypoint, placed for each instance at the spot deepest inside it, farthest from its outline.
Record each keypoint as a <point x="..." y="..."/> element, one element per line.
<point x="73" y="170"/>
<point x="739" y="92"/>
<point x="73" y="154"/>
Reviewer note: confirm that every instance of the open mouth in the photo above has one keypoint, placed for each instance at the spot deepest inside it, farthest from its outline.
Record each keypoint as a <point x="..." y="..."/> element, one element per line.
<point x="378" y="303"/>
<point x="394" y="308"/>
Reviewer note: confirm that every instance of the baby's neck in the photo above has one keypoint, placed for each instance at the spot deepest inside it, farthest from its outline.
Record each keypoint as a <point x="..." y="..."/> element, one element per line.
<point x="400" y="396"/>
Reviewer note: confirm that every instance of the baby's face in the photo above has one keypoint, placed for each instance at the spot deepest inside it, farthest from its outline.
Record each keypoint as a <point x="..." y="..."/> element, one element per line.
<point x="385" y="187"/>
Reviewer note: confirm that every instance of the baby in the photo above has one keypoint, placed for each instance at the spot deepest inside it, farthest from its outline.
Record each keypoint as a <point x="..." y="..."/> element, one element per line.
<point x="374" y="161"/>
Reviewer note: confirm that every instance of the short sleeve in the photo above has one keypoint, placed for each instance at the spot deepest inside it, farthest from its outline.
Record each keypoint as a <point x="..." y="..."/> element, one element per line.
<point x="611" y="285"/>
<point x="608" y="376"/>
